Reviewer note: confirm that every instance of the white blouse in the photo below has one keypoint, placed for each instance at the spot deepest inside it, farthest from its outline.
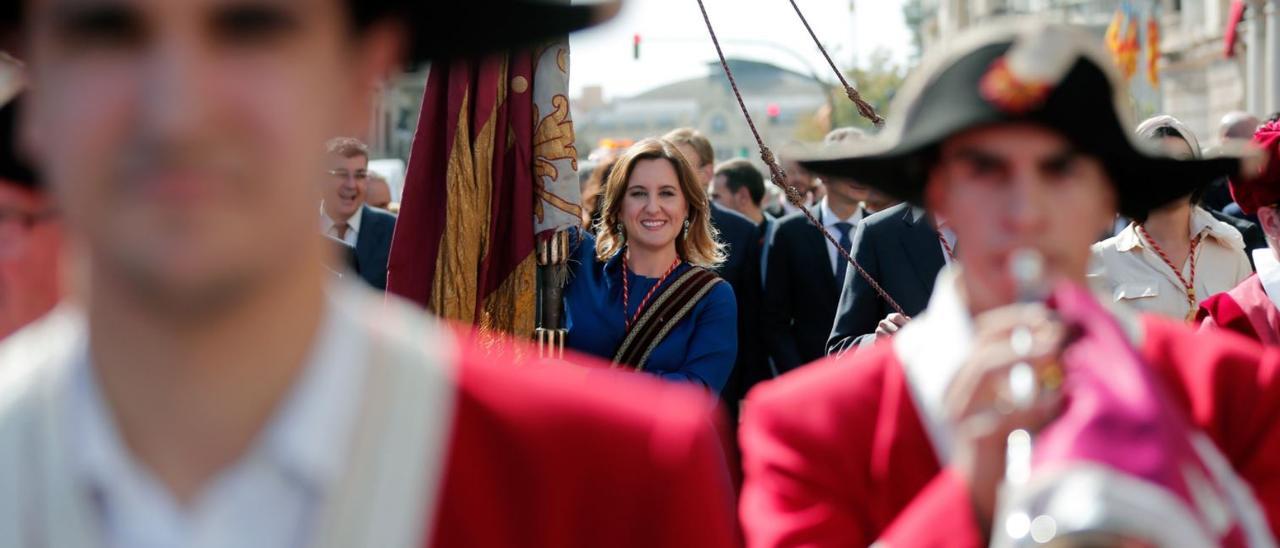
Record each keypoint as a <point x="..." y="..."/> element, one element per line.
<point x="1125" y="268"/>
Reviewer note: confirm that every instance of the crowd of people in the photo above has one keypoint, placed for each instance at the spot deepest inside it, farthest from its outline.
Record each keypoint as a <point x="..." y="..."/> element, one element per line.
<point x="1012" y="317"/>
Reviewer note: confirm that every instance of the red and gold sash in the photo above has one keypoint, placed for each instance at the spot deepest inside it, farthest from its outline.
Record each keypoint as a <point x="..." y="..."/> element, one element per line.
<point x="669" y="306"/>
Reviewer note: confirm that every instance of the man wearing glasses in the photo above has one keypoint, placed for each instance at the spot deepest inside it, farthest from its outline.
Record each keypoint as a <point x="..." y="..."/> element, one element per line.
<point x="346" y="217"/>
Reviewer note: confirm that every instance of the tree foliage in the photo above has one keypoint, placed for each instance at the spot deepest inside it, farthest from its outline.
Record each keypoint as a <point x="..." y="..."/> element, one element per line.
<point x="877" y="81"/>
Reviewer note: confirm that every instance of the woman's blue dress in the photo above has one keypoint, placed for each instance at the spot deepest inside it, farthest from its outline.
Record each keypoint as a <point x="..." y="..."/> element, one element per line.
<point x="700" y="348"/>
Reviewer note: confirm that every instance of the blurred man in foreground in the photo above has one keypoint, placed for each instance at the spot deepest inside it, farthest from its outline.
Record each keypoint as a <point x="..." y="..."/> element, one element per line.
<point x="1027" y="156"/>
<point x="220" y="388"/>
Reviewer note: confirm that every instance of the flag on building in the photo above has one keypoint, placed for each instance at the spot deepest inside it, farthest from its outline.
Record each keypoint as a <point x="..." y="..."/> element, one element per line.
<point x="1129" y="49"/>
<point x="1114" y="37"/>
<point x="1232" y="34"/>
<point x="492" y="166"/>
<point x="1153" y="51"/>
<point x="1121" y="39"/>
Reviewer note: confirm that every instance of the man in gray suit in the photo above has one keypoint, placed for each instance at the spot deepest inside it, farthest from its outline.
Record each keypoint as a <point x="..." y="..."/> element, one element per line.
<point x="901" y="249"/>
<point x="345" y="216"/>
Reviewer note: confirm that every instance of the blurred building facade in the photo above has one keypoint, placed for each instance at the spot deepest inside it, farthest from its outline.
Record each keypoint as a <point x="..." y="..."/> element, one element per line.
<point x="394" y="114"/>
<point x="1198" y="81"/>
<point x="780" y="100"/>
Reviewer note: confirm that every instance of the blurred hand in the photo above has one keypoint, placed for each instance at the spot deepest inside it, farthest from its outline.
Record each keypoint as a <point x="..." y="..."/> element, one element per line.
<point x="980" y="402"/>
<point x="890" y="325"/>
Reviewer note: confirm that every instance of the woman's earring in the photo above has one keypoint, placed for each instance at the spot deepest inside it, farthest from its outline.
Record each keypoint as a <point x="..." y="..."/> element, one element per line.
<point x="622" y="235"/>
<point x="685" y="234"/>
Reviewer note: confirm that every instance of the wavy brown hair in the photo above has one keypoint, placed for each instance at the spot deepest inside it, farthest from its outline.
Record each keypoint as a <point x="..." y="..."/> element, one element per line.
<point x="700" y="246"/>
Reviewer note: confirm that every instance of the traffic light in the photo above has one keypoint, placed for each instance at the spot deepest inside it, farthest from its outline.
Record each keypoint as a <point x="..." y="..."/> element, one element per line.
<point x="774" y="111"/>
<point x="635" y="47"/>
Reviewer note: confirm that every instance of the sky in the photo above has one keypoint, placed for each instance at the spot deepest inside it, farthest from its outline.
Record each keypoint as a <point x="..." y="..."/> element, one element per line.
<point x="675" y="44"/>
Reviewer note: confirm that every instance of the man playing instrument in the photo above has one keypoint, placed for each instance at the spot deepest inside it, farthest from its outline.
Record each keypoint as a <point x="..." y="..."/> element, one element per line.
<point x="1015" y="137"/>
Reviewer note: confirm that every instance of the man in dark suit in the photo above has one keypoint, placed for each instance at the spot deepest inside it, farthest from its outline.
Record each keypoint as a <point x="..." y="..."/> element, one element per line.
<point x="1252" y="233"/>
<point x="739" y="186"/>
<point x="345" y="216"/>
<point x="899" y="248"/>
<point x="800" y="290"/>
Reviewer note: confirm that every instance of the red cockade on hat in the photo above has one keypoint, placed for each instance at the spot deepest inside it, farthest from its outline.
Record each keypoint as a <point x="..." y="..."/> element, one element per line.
<point x="1003" y="87"/>
<point x="1262" y="189"/>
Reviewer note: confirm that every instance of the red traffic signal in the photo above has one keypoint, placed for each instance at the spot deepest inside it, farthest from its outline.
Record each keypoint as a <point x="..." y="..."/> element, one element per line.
<point x="635" y="47"/>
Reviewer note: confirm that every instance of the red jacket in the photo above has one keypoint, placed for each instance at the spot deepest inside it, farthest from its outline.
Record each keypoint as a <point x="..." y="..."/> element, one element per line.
<point x="1245" y="309"/>
<point x="836" y="455"/>
<point x="561" y="456"/>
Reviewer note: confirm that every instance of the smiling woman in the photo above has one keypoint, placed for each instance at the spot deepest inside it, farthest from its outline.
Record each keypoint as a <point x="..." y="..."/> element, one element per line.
<point x="641" y="292"/>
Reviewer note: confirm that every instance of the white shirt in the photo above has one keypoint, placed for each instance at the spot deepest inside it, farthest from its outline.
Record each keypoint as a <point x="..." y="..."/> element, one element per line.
<point x="1268" y="273"/>
<point x="330" y="228"/>
<point x="944" y="230"/>
<point x="771" y="226"/>
<point x="271" y="497"/>
<point x="1125" y="268"/>
<point x="829" y="220"/>
<point x="61" y="487"/>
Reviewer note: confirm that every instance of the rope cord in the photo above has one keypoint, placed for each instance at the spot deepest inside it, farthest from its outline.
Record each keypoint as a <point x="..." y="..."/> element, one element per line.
<point x="779" y="177"/>
<point x="864" y="108"/>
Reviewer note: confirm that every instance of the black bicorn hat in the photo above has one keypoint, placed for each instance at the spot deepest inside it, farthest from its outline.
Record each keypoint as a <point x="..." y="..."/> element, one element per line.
<point x="1019" y="70"/>
<point x="440" y="29"/>
<point x="447" y="29"/>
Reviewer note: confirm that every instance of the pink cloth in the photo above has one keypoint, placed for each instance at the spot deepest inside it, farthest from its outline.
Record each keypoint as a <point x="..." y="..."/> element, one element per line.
<point x="1117" y="412"/>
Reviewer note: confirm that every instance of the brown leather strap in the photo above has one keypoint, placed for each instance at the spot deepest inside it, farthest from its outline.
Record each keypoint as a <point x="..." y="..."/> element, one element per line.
<point x="669" y="306"/>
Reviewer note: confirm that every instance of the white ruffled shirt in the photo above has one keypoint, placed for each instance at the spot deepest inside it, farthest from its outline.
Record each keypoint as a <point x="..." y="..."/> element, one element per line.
<point x="1268" y="273"/>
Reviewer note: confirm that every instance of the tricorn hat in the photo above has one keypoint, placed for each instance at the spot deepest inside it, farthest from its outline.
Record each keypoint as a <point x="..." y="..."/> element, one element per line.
<point x="1019" y="70"/>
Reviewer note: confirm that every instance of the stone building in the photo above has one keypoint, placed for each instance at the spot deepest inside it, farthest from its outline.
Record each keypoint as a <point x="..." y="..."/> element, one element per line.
<point x="1198" y="82"/>
<point x="779" y="100"/>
